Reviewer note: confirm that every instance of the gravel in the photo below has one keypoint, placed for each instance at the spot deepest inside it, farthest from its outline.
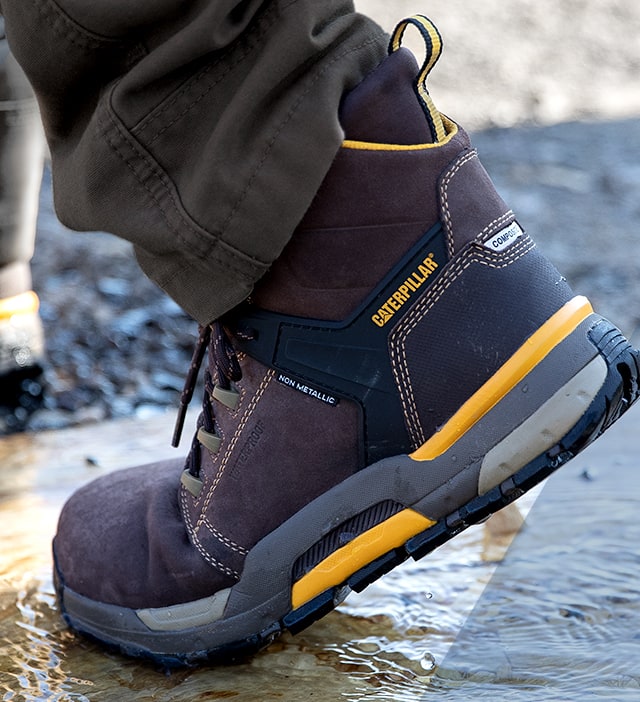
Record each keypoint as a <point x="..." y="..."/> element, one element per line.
<point x="117" y="346"/>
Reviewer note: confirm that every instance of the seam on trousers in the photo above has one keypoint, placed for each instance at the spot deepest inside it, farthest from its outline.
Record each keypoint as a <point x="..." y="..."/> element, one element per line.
<point x="286" y="120"/>
<point x="208" y="240"/>
<point x="67" y="28"/>
<point x="146" y="122"/>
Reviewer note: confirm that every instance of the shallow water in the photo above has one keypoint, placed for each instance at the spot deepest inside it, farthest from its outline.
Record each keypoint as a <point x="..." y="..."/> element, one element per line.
<point x="557" y="619"/>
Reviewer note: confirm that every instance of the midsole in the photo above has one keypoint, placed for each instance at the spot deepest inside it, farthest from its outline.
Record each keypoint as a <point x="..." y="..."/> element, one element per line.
<point x="426" y="487"/>
<point x="535" y="435"/>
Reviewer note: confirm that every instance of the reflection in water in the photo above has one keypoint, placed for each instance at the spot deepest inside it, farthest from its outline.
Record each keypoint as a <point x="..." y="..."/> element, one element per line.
<point x="558" y="619"/>
<point x="36" y="654"/>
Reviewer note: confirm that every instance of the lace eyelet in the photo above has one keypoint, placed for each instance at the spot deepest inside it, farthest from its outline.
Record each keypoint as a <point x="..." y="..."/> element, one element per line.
<point x="208" y="440"/>
<point x="229" y="398"/>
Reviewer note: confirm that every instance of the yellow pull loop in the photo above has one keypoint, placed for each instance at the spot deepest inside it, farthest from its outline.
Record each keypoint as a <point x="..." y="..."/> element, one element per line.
<point x="433" y="44"/>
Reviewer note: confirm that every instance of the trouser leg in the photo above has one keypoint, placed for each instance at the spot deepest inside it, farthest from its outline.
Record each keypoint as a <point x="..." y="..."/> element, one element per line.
<point x="198" y="130"/>
<point x="21" y="157"/>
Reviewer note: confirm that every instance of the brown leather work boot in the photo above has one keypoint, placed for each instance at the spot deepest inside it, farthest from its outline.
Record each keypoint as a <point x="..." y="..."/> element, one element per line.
<point x="411" y="364"/>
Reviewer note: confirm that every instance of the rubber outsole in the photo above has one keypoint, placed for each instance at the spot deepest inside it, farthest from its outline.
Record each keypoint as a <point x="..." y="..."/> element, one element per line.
<point x="619" y="391"/>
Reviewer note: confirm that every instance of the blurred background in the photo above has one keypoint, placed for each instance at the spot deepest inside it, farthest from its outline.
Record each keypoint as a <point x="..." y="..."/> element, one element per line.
<point x="519" y="62"/>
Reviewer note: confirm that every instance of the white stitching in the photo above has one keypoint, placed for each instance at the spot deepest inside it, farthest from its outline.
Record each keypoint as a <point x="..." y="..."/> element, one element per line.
<point x="444" y="196"/>
<point x="229" y="543"/>
<point x="202" y="519"/>
<point x="268" y="376"/>
<point x="196" y="542"/>
<point x="399" y="335"/>
<point x="497" y="222"/>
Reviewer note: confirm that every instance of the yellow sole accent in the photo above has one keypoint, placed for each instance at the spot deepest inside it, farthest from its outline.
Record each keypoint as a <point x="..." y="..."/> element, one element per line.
<point x="537" y="346"/>
<point x="450" y="126"/>
<point x="25" y="303"/>
<point x="364" y="549"/>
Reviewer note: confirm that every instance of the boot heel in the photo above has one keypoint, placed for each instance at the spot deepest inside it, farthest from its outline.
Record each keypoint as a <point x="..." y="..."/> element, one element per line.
<point x="533" y="355"/>
<point x="573" y="417"/>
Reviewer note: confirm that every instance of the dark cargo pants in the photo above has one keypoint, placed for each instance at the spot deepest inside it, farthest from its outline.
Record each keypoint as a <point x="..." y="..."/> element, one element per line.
<point x="199" y="130"/>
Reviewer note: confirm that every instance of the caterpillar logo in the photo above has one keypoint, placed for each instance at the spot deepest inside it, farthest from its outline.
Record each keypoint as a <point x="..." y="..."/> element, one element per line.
<point x="405" y="291"/>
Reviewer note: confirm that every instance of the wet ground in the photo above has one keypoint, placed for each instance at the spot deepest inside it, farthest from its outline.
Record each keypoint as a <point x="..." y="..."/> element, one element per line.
<point x="557" y="619"/>
<point x="116" y="345"/>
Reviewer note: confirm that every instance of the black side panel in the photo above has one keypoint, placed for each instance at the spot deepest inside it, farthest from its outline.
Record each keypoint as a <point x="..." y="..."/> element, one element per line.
<point x="350" y="359"/>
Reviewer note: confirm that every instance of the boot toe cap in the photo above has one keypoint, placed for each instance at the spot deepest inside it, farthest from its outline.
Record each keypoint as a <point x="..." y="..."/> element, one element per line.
<point x="121" y="540"/>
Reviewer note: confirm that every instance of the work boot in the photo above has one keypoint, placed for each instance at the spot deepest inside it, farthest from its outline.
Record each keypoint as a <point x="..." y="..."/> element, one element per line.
<point x="411" y="364"/>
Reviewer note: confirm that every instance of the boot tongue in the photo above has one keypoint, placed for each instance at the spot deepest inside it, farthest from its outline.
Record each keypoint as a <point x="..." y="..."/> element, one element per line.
<point x="384" y="108"/>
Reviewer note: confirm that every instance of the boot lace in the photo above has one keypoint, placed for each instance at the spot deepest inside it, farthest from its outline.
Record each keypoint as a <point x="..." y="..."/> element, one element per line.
<point x="222" y="369"/>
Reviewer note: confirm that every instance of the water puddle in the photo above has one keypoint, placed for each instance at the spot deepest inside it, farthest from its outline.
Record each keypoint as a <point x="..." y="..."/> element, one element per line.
<point x="558" y="617"/>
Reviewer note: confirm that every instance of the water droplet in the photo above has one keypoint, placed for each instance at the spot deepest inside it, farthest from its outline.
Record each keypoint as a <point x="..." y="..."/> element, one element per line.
<point x="588" y="474"/>
<point x="428" y="662"/>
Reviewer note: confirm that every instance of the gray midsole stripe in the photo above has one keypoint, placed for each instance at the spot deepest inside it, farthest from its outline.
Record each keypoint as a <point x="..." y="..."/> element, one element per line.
<point x="186" y="615"/>
<point x="544" y="428"/>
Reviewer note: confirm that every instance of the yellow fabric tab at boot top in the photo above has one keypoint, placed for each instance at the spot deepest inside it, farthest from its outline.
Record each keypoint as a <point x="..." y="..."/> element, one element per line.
<point x="442" y="128"/>
<point x="433" y="49"/>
